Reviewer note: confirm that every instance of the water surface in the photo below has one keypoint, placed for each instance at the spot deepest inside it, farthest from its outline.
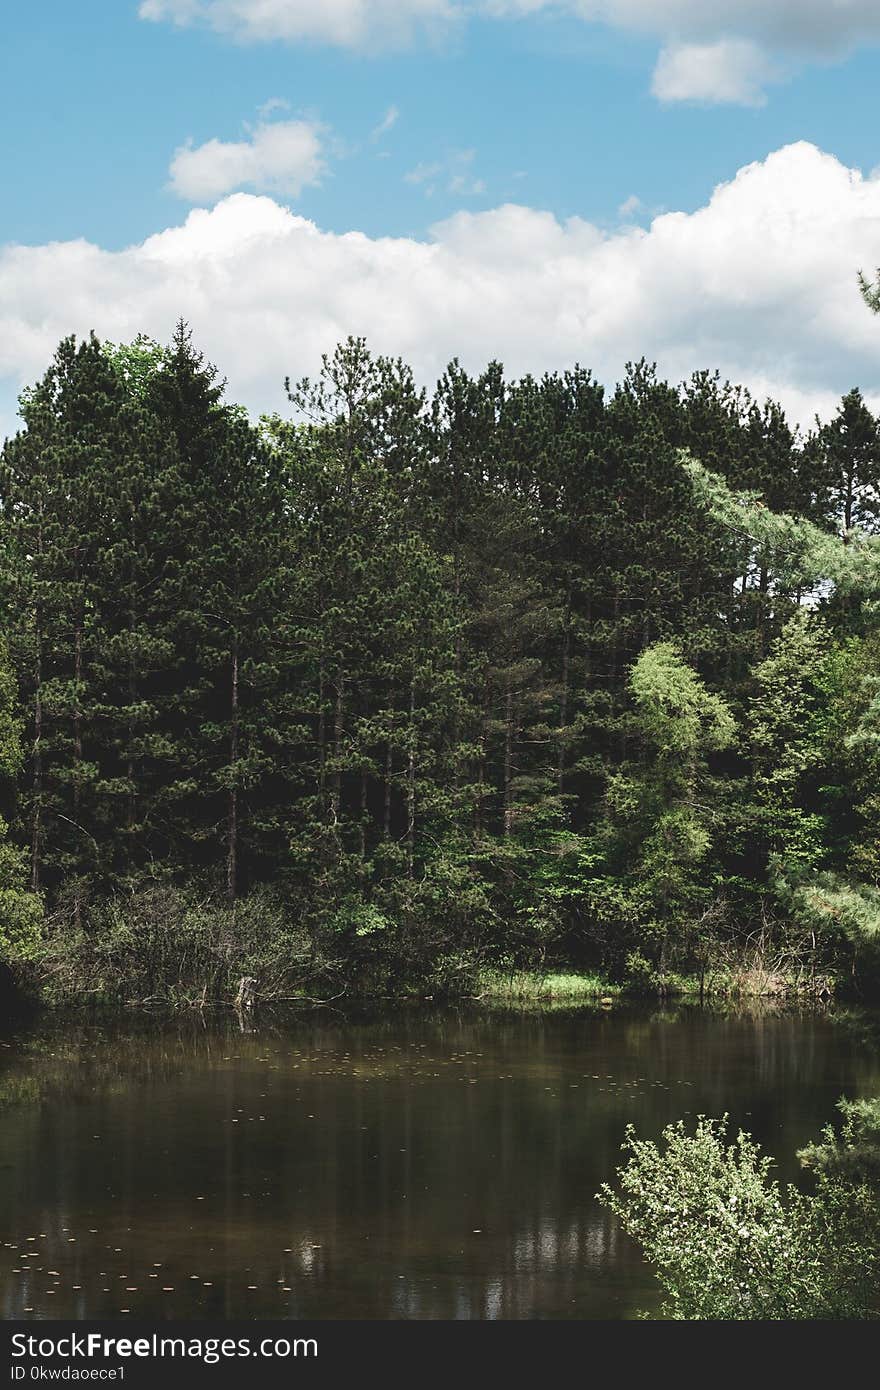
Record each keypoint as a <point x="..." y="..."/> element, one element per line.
<point x="432" y="1166"/>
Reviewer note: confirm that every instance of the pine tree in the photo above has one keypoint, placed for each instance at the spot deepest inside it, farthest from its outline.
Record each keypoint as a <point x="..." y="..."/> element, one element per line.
<point x="56" y="494"/>
<point x="222" y="573"/>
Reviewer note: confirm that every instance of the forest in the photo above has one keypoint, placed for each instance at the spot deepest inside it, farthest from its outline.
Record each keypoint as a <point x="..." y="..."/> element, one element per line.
<point x="404" y="687"/>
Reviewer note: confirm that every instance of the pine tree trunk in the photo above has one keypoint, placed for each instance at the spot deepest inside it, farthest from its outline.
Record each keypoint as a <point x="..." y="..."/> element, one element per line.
<point x="508" y="763"/>
<point x="37" y="811"/>
<point x="132" y="684"/>
<point x="129" y="768"/>
<point x="563" y="699"/>
<point x="389" y="772"/>
<point x="336" y="779"/>
<point x="77" y="714"/>
<point x="232" y="833"/>
<point x="77" y="750"/>
<point x="322" y="742"/>
<point x="481" y="769"/>
<point x="761" y="615"/>
<point x="411" y="784"/>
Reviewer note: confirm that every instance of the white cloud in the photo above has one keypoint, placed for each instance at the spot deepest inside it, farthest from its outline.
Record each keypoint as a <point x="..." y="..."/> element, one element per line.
<point x="465" y="186"/>
<point x="454" y="173"/>
<point x="631" y="206"/>
<point x="390" y="119"/>
<point x="797" y="25"/>
<point x="369" y="24"/>
<point x="760" y="282"/>
<point x="424" y="173"/>
<point x="781" y="29"/>
<point x="730" y="70"/>
<point x="280" y="157"/>
<point x="274" y="104"/>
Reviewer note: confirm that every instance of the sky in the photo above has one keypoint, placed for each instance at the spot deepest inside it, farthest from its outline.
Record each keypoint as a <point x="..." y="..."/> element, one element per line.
<point x="540" y="181"/>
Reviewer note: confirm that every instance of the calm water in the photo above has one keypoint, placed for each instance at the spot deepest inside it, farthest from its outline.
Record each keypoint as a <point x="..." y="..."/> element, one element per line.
<point x="415" y="1167"/>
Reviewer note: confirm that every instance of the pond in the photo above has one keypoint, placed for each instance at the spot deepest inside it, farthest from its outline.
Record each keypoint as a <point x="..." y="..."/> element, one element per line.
<point x="438" y="1165"/>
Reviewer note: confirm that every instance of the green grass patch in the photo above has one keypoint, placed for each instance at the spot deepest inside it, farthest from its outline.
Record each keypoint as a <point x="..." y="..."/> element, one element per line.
<point x="567" y="988"/>
<point x="531" y="986"/>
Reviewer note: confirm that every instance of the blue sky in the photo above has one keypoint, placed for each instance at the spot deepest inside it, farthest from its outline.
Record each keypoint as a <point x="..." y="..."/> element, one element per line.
<point x="558" y="113"/>
<point x="387" y="128"/>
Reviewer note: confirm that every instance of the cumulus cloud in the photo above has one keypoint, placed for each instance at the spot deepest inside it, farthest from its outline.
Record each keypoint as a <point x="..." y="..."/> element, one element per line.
<point x="366" y="24"/>
<point x="279" y="157"/>
<point x="731" y="70"/>
<point x="778" y="30"/>
<point x="806" y="25"/>
<point x="760" y="282"/>
<point x="812" y="25"/>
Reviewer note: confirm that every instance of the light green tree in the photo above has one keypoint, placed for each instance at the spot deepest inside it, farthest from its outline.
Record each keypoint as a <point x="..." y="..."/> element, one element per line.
<point x="786" y="723"/>
<point x="660" y="807"/>
<point x="790" y="713"/>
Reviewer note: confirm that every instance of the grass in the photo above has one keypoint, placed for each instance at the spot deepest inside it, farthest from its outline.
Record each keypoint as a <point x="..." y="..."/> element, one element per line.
<point x="568" y="988"/>
<point x="531" y="986"/>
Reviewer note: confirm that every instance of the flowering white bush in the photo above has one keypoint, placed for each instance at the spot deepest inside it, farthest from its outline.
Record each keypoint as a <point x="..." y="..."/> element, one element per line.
<point x="727" y="1241"/>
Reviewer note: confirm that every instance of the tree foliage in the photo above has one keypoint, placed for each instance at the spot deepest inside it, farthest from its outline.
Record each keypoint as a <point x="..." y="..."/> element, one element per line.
<point x="493" y="673"/>
<point x="20" y="910"/>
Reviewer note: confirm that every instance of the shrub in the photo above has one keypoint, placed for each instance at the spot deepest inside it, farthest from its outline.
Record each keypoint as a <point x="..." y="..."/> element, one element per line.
<point x="163" y="945"/>
<point x="728" y="1242"/>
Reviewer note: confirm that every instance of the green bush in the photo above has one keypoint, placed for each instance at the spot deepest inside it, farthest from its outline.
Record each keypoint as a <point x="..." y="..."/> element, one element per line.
<point x="728" y="1242"/>
<point x="161" y="945"/>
